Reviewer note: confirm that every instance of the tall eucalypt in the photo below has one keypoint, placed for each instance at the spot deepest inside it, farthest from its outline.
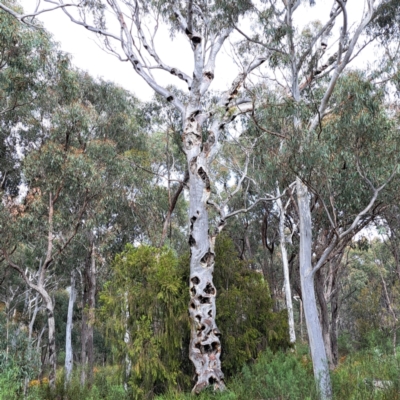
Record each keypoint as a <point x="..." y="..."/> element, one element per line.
<point x="309" y="71"/>
<point x="203" y="24"/>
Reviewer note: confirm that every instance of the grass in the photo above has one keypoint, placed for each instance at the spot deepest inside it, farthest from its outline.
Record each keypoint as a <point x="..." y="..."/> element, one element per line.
<point x="106" y="385"/>
<point x="274" y="376"/>
<point x="289" y="376"/>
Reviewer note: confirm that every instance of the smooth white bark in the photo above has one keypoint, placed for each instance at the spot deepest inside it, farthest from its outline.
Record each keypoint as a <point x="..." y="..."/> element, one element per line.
<point x="127" y="340"/>
<point x="318" y="354"/>
<point x="68" y="337"/>
<point x="285" y="263"/>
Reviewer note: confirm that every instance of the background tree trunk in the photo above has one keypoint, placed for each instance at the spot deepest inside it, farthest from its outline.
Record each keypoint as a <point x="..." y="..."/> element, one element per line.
<point x="334" y="323"/>
<point x="89" y="299"/>
<point x="324" y="317"/>
<point x="91" y="310"/>
<point x="69" y="359"/>
<point x="52" y="342"/>
<point x="285" y="263"/>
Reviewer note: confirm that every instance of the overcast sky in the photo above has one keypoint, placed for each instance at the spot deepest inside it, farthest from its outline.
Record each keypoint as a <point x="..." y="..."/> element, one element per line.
<point x="87" y="54"/>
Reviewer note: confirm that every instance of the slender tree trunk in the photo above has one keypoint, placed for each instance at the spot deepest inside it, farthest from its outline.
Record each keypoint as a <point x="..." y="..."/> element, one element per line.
<point x="301" y="321"/>
<point x="69" y="358"/>
<point x="288" y="291"/>
<point x="33" y="318"/>
<point x="52" y="343"/>
<point x="324" y="317"/>
<point x="49" y="306"/>
<point x="268" y="269"/>
<point x="389" y="304"/>
<point x="84" y="325"/>
<point x="334" y="322"/>
<point x="30" y="330"/>
<point x="91" y="310"/>
<point x="7" y="325"/>
<point x="39" y="340"/>
<point x="127" y="340"/>
<point x="318" y="354"/>
<point x="89" y="299"/>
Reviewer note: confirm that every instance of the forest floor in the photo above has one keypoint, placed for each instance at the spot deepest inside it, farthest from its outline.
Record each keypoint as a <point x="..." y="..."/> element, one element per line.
<point x="363" y="375"/>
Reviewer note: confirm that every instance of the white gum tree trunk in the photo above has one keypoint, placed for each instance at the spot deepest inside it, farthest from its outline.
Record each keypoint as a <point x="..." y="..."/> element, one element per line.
<point x="52" y="340"/>
<point x="127" y="340"/>
<point x="136" y="45"/>
<point x="205" y="345"/>
<point x="40" y="286"/>
<point x="285" y="263"/>
<point x="68" y="337"/>
<point x="48" y="305"/>
<point x="318" y="354"/>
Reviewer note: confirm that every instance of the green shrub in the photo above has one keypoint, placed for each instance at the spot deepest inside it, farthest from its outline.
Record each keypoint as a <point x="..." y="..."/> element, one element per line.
<point x="370" y="374"/>
<point x="10" y="384"/>
<point x="148" y="295"/>
<point x="19" y="362"/>
<point x="244" y="310"/>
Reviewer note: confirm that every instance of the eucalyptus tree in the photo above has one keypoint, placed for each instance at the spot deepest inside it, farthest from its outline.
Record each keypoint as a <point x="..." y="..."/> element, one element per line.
<point x="205" y="27"/>
<point x="74" y="172"/>
<point x="24" y="55"/>
<point x="28" y="226"/>
<point x="370" y="295"/>
<point x="308" y="76"/>
<point x="308" y="73"/>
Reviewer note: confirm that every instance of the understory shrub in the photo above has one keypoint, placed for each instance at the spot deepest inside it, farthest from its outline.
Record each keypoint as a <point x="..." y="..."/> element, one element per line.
<point x="19" y="361"/>
<point x="106" y="385"/>
<point x="144" y="309"/>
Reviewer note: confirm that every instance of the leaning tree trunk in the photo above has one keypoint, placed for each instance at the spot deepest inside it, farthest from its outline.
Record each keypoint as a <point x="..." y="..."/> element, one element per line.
<point x="205" y="346"/>
<point x="49" y="306"/>
<point x="68" y="338"/>
<point x="318" y="354"/>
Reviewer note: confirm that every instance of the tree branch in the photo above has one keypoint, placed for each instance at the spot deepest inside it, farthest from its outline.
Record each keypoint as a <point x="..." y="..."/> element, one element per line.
<point x="357" y="219"/>
<point x="22" y="17"/>
<point x="172" y="207"/>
